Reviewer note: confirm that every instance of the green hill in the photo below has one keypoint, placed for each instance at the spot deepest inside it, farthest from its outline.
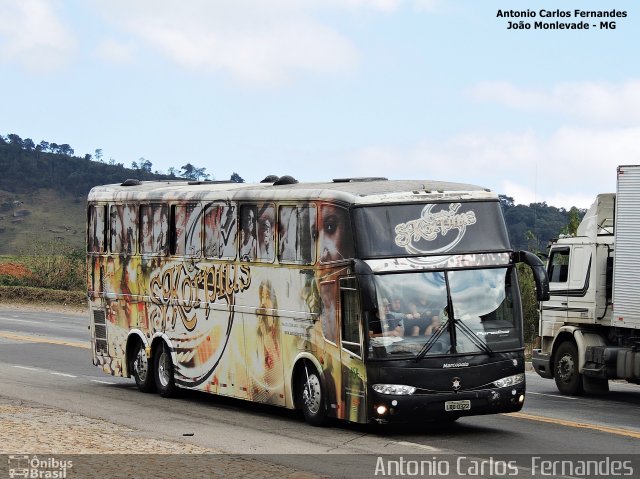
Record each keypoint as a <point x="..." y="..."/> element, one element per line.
<point x="42" y="215"/>
<point x="43" y="191"/>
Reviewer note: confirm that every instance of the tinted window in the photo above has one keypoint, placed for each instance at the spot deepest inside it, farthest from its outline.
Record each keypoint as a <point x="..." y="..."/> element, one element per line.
<point x="428" y="229"/>
<point x="220" y="228"/>
<point x="123" y="229"/>
<point x="335" y="241"/>
<point x="559" y="266"/>
<point x="296" y="234"/>
<point x="187" y="229"/>
<point x="154" y="225"/>
<point x="96" y="232"/>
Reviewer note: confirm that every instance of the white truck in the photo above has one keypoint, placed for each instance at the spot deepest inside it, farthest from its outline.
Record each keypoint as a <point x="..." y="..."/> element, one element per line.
<point x="590" y="326"/>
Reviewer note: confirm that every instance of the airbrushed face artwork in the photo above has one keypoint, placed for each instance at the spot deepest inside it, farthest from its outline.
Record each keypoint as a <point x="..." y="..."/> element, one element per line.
<point x="229" y="314"/>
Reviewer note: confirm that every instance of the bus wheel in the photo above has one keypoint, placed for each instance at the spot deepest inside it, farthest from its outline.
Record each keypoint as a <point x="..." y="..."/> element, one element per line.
<point x="568" y="378"/>
<point x="311" y="396"/>
<point x="165" y="382"/>
<point x="142" y="369"/>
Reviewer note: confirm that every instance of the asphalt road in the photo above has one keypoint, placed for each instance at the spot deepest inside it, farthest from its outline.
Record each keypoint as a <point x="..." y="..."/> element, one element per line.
<point x="55" y="371"/>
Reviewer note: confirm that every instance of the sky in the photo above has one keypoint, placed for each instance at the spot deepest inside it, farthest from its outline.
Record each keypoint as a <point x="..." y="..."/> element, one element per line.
<point x="323" y="89"/>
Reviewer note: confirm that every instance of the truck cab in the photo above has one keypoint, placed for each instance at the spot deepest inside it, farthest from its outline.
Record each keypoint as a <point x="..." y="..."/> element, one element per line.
<point x="589" y="326"/>
<point x="579" y="271"/>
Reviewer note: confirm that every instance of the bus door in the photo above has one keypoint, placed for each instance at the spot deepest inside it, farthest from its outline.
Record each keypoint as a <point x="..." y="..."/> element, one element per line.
<point x="353" y="398"/>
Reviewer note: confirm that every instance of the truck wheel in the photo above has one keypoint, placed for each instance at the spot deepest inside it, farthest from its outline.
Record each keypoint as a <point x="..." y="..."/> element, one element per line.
<point x="311" y="396"/>
<point x="165" y="382"/>
<point x="142" y="369"/>
<point x="568" y="378"/>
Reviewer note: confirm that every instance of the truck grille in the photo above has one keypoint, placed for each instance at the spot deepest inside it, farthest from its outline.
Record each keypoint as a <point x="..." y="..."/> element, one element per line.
<point x="100" y="331"/>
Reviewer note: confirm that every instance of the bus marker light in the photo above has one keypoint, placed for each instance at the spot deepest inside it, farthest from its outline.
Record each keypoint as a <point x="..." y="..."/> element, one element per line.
<point x="381" y="410"/>
<point x="394" y="403"/>
<point x="521" y="399"/>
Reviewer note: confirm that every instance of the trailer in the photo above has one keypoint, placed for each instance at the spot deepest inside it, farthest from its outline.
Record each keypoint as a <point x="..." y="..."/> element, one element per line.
<point x="590" y="326"/>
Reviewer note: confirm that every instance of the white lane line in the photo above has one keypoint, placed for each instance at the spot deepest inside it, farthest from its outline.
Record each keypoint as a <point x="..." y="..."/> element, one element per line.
<point x="62" y="374"/>
<point x="56" y="373"/>
<point x="420" y="446"/>
<point x="554" y="396"/>
<point x="27" y="368"/>
<point x="100" y="382"/>
<point x="4" y="318"/>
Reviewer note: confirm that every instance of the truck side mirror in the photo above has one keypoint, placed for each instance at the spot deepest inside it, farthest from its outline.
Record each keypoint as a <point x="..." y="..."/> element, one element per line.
<point x="538" y="270"/>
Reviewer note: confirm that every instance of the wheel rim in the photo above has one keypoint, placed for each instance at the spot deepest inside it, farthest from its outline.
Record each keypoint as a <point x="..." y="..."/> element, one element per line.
<point x="566" y="367"/>
<point x="141" y="365"/>
<point x="311" y="394"/>
<point x="164" y="369"/>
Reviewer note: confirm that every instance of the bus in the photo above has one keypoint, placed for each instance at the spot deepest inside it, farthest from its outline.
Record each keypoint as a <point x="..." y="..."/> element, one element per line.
<point x="360" y="299"/>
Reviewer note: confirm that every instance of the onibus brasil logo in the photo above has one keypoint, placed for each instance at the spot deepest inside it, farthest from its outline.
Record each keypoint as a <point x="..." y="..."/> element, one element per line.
<point x="41" y="468"/>
<point x="430" y="225"/>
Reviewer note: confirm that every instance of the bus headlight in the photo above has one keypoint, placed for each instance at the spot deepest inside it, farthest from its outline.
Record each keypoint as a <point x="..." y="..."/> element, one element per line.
<point x="396" y="389"/>
<point x="509" y="381"/>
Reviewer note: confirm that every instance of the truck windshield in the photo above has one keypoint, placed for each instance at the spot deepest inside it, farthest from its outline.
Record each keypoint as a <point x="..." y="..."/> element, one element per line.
<point x="415" y="312"/>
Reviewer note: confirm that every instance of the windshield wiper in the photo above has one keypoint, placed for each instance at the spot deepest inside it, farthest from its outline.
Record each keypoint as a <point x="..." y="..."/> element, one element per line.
<point x="469" y="333"/>
<point x="432" y="340"/>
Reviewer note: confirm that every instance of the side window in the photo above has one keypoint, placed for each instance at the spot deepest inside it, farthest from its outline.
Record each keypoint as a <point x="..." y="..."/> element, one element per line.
<point x="329" y="313"/>
<point x="350" y="316"/>
<point x="123" y="226"/>
<point x="335" y="241"/>
<point x="154" y="225"/>
<point x="220" y="229"/>
<point x="296" y="234"/>
<point x="248" y="233"/>
<point x="96" y="229"/>
<point x="266" y="229"/>
<point x="559" y="266"/>
<point x="187" y="229"/>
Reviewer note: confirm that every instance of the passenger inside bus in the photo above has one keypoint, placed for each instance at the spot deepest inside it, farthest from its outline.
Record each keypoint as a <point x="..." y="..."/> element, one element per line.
<point x="391" y="323"/>
<point x="421" y="316"/>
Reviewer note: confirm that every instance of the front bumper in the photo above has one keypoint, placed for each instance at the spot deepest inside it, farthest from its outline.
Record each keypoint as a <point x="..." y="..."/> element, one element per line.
<point x="542" y="363"/>
<point x="427" y="407"/>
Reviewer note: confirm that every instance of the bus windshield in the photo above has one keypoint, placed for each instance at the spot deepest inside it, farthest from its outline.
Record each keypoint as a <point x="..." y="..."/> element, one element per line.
<point x="415" y="312"/>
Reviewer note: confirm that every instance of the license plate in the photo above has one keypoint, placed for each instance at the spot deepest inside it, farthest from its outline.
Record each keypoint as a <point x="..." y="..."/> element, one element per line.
<point x="457" y="405"/>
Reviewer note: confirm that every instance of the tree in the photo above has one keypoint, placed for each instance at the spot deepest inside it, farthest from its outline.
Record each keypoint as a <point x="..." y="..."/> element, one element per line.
<point x="66" y="150"/>
<point x="28" y="144"/>
<point x="236" y="178"/>
<point x="529" y="304"/>
<point x="98" y="154"/>
<point x="145" y="165"/>
<point x="172" y="171"/>
<point x="192" y="172"/>
<point x="43" y="146"/>
<point x="506" y="202"/>
<point x="14" y="140"/>
<point x="574" y="221"/>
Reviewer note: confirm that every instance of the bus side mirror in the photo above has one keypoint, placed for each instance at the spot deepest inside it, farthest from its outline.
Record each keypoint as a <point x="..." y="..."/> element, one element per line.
<point x="538" y="270"/>
<point x="367" y="286"/>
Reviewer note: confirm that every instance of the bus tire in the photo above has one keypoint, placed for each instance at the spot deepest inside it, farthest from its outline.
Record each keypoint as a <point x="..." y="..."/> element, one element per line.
<point x="311" y="396"/>
<point x="163" y="369"/>
<point x="566" y="373"/>
<point x="142" y="369"/>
